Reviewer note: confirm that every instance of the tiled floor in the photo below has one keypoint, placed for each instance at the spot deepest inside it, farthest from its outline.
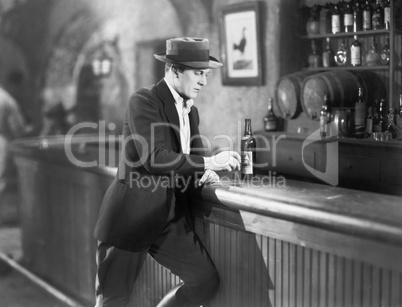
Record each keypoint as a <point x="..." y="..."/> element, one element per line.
<point x="15" y="289"/>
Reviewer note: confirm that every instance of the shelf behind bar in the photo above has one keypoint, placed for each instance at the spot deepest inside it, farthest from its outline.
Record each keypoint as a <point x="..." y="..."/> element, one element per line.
<point x="348" y="34"/>
<point x="379" y="67"/>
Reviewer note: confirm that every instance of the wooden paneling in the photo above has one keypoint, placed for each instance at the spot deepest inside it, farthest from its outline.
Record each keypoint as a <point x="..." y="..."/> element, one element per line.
<point x="263" y="271"/>
<point x="59" y="208"/>
<point x="391" y="171"/>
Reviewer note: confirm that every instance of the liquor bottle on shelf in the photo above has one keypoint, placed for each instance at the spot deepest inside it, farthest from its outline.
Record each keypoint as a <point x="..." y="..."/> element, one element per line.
<point x="356" y="52"/>
<point x="384" y="55"/>
<point x="377" y="18"/>
<point x="325" y="19"/>
<point x="328" y="59"/>
<point x="390" y="127"/>
<point x="348" y="17"/>
<point x="324" y="117"/>
<point x="336" y="20"/>
<point x="314" y="59"/>
<point x="399" y="115"/>
<point x="372" y="56"/>
<point x="341" y="56"/>
<point x="247" y="151"/>
<point x="360" y="115"/>
<point x="387" y="14"/>
<point x="366" y="16"/>
<point x="313" y="25"/>
<point x="379" y="120"/>
<point x="270" y="120"/>
<point x="357" y="17"/>
<point x="369" y="122"/>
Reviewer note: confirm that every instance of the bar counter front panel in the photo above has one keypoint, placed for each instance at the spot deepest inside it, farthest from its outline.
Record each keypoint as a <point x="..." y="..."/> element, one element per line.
<point x="301" y="244"/>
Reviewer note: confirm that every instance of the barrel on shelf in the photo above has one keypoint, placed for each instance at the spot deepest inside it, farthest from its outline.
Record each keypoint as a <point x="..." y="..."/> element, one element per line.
<point x="342" y="88"/>
<point x="288" y="94"/>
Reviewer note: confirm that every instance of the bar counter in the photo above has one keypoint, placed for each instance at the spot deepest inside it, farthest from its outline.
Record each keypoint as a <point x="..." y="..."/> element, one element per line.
<point x="275" y="241"/>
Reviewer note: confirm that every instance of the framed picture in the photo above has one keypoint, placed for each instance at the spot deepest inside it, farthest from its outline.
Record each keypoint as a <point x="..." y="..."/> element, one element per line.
<point x="241" y="44"/>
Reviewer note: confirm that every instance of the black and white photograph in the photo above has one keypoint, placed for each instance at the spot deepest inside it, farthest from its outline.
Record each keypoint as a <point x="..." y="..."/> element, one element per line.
<point x="201" y="153"/>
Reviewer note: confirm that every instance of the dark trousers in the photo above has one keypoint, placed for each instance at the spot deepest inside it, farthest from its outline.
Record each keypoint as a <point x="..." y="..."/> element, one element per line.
<point x="178" y="248"/>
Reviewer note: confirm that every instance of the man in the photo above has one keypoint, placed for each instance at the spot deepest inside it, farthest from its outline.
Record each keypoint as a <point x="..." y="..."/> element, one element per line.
<point x="12" y="126"/>
<point x="145" y="210"/>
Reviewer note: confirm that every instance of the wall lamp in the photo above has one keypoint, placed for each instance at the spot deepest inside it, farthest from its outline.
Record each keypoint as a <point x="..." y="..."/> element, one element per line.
<point x="102" y="65"/>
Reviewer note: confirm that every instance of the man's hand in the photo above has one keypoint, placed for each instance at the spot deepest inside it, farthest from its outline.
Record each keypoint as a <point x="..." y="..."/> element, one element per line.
<point x="223" y="161"/>
<point x="208" y="177"/>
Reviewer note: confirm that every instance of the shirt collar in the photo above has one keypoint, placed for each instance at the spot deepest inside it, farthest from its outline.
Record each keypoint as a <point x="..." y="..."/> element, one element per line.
<point x="177" y="98"/>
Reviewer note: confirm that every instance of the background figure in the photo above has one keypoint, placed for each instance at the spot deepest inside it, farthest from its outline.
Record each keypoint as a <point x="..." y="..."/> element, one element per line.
<point x="54" y="120"/>
<point x="12" y="126"/>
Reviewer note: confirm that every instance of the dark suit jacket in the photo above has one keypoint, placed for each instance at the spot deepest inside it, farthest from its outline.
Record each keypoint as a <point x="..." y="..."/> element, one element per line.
<point x="137" y="204"/>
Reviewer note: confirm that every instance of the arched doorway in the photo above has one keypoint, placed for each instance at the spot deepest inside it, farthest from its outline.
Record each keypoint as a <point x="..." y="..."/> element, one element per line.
<point x="87" y="105"/>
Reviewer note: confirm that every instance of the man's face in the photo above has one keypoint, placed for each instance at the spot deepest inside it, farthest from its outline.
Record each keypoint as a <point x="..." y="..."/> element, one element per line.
<point x="190" y="81"/>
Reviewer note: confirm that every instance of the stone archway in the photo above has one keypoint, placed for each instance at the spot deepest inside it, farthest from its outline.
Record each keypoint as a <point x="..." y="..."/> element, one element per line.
<point x="59" y="82"/>
<point x="68" y="67"/>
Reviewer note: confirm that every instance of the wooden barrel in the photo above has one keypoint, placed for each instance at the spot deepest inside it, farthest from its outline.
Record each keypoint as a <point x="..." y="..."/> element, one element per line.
<point x="288" y="94"/>
<point x="342" y="88"/>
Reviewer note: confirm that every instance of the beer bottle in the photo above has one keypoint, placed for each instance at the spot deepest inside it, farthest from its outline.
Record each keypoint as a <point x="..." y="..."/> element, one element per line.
<point x="377" y="17"/>
<point x="324" y="117"/>
<point x="369" y="122"/>
<point x="247" y="151"/>
<point x="360" y="115"/>
<point x="378" y="125"/>
<point x="367" y="16"/>
<point x="328" y="55"/>
<point x="357" y="17"/>
<point x="348" y="17"/>
<point x="336" y="21"/>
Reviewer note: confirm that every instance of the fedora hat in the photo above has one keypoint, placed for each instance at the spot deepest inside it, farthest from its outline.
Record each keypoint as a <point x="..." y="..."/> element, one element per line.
<point x="190" y="52"/>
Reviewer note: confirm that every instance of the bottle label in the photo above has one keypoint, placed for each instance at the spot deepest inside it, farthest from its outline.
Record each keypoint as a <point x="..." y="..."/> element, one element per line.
<point x="369" y="126"/>
<point x="323" y="125"/>
<point x="384" y="58"/>
<point x="341" y="57"/>
<point x="355" y="55"/>
<point x="270" y="122"/>
<point x="366" y="20"/>
<point x="326" y="57"/>
<point x="387" y="15"/>
<point x="360" y="115"/>
<point x="270" y="125"/>
<point x="348" y="20"/>
<point x="376" y="21"/>
<point x="336" y="23"/>
<point x="247" y="162"/>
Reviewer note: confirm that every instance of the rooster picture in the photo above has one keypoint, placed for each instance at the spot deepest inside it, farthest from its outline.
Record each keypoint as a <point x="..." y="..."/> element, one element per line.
<point x="240" y="54"/>
<point x="242" y="44"/>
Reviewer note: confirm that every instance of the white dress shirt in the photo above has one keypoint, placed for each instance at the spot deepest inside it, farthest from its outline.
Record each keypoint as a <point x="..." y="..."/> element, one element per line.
<point x="183" y="118"/>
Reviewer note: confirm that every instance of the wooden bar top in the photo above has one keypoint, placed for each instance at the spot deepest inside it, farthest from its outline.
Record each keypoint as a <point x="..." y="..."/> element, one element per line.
<point x="365" y="214"/>
<point x="360" y="213"/>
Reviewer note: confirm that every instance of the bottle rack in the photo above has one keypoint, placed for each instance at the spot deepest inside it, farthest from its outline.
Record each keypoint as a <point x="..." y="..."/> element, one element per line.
<point x="392" y="73"/>
<point x="348" y="34"/>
